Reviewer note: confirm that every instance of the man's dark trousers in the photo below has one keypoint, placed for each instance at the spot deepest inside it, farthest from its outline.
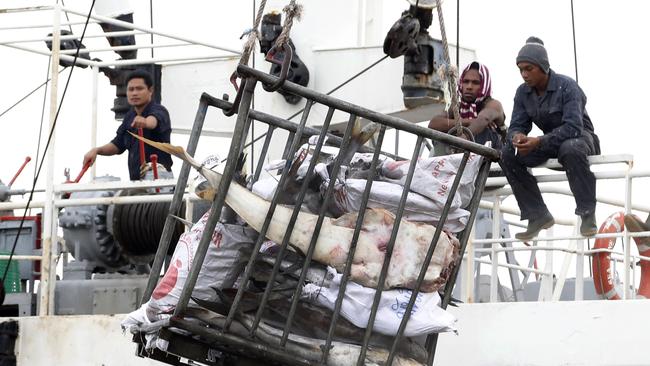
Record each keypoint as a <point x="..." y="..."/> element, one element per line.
<point x="572" y="154"/>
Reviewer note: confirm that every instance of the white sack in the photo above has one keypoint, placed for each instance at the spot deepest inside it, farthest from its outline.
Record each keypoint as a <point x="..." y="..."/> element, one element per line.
<point x="388" y="195"/>
<point x="228" y="245"/>
<point x="434" y="176"/>
<point x="138" y="318"/>
<point x="426" y="316"/>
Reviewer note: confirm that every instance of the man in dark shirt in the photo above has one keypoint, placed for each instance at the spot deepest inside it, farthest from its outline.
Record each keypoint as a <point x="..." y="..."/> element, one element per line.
<point x="556" y="104"/>
<point x="478" y="111"/>
<point x="146" y="114"/>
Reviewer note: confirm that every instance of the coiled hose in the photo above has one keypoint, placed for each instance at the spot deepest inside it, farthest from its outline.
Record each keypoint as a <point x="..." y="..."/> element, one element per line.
<point x="138" y="227"/>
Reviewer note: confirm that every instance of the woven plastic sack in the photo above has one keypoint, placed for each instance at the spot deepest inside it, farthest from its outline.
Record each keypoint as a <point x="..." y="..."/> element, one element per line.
<point x="426" y="316"/>
<point x="229" y="247"/>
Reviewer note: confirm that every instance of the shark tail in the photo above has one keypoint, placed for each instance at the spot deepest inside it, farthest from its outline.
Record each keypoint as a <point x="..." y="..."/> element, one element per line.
<point x="177" y="151"/>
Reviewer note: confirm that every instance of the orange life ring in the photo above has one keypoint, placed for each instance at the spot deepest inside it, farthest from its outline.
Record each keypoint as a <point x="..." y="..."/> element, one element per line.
<point x="602" y="271"/>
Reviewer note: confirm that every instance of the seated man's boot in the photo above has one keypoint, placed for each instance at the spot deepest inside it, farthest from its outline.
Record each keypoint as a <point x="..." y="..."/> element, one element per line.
<point x="635" y="225"/>
<point x="535" y="226"/>
<point x="588" y="226"/>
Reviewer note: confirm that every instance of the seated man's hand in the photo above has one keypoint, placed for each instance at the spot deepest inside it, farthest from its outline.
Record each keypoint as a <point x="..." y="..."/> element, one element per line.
<point x="497" y="125"/>
<point x="525" y="144"/>
<point x="89" y="157"/>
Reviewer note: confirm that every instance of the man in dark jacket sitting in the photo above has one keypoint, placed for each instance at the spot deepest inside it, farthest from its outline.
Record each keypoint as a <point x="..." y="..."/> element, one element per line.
<point x="556" y="104"/>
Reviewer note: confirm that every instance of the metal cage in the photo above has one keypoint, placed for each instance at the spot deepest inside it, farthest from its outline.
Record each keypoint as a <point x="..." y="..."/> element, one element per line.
<point x="209" y="345"/>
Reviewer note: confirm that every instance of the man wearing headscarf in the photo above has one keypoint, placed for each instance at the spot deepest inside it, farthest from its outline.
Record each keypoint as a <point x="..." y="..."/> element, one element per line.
<point x="484" y="117"/>
<point x="556" y="105"/>
<point x="478" y="111"/>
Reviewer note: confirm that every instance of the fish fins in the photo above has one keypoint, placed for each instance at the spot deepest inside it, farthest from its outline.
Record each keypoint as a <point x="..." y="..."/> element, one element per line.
<point x="177" y="151"/>
<point x="359" y="137"/>
<point x="213" y="177"/>
<point x="367" y="132"/>
<point x="216" y="306"/>
<point x="240" y="169"/>
<point x="356" y="129"/>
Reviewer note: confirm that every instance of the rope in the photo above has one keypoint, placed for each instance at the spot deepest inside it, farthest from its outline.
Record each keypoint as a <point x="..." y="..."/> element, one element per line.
<point x="458" y="34"/>
<point x="450" y="73"/>
<point x="292" y="10"/>
<point x="253" y="34"/>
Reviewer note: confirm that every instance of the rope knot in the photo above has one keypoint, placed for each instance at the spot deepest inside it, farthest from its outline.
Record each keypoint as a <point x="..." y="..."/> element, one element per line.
<point x="448" y="72"/>
<point x="292" y="10"/>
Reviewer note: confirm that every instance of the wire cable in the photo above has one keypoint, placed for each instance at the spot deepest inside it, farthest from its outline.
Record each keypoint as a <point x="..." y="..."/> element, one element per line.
<point x="40" y="127"/>
<point x="328" y="93"/>
<point x="47" y="145"/>
<point x="151" y="24"/>
<point x="575" y="52"/>
<point x="66" y="16"/>
<point x="27" y="95"/>
<point x="346" y="82"/>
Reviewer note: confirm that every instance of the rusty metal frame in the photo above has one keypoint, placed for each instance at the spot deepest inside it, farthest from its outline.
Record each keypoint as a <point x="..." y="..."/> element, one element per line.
<point x="223" y="338"/>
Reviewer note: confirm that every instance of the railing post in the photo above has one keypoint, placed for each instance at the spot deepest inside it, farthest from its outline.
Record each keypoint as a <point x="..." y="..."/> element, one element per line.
<point x="546" y="287"/>
<point x="48" y="269"/>
<point x="626" y="238"/>
<point x="93" y="119"/>
<point x="496" y="232"/>
<point x="568" y="256"/>
<point x="580" y="263"/>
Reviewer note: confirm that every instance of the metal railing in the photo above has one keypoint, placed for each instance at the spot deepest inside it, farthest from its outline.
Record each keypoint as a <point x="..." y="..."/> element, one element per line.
<point x="54" y="202"/>
<point x="10" y="36"/>
<point x="553" y="281"/>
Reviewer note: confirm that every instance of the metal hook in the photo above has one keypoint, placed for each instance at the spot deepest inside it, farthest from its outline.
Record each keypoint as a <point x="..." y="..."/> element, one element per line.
<point x="240" y="91"/>
<point x="286" y="64"/>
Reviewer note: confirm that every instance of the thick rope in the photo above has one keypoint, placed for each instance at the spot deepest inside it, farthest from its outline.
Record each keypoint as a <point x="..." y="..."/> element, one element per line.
<point x="450" y="73"/>
<point x="253" y="35"/>
<point x="291" y="11"/>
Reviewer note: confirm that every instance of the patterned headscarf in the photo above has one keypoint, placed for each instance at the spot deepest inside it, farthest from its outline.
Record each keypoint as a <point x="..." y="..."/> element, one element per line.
<point x="469" y="110"/>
